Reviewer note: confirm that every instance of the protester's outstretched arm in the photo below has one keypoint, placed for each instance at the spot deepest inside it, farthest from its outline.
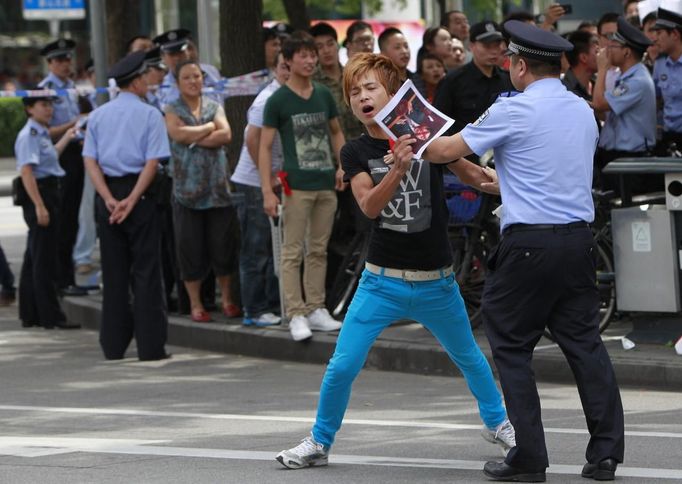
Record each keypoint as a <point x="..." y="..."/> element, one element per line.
<point x="481" y="178"/>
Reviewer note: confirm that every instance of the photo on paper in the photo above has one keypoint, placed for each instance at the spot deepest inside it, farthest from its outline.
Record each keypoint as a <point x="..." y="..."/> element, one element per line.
<point x="409" y="113"/>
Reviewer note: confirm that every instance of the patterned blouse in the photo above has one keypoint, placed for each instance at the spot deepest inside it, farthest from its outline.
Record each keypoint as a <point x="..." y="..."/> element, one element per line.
<point x="199" y="174"/>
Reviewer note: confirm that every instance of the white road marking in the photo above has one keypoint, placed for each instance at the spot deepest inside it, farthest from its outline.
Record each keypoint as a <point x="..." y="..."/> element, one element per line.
<point x="282" y="418"/>
<point x="39" y="446"/>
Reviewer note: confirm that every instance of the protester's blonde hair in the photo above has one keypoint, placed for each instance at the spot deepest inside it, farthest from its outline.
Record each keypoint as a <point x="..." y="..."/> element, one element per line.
<point x="386" y="71"/>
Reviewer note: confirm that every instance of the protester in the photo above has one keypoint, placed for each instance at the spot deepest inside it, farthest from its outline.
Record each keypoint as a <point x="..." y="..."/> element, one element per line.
<point x="305" y="114"/>
<point x="203" y="215"/>
<point x="329" y="72"/>
<point x="438" y="41"/>
<point x="545" y="231"/>
<point x="393" y="44"/>
<point x="359" y="38"/>
<point x="41" y="176"/>
<point x="408" y="272"/>
<point x="431" y="72"/>
<point x="59" y="56"/>
<point x="459" y="54"/>
<point x="125" y="139"/>
<point x="583" y="63"/>
<point x="259" y="286"/>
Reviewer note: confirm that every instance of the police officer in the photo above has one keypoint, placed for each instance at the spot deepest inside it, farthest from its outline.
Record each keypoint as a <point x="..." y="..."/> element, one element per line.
<point x="668" y="76"/>
<point x="174" y="46"/>
<point x="630" y="107"/>
<point x="66" y="113"/>
<point x="155" y="75"/>
<point x="38" y="163"/>
<point x="542" y="273"/>
<point x="125" y="139"/>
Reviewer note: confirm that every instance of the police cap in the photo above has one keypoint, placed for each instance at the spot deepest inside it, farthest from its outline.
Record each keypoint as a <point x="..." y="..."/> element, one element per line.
<point x="128" y="68"/>
<point x="629" y="35"/>
<point x="533" y="42"/>
<point x="173" y="40"/>
<point x="153" y="58"/>
<point x="58" y="48"/>
<point x="667" y="20"/>
<point x="38" y="94"/>
<point x="486" y="31"/>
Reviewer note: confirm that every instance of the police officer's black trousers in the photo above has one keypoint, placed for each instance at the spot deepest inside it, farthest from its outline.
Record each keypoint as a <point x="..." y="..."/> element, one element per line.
<point x="71" y="161"/>
<point x="38" y="302"/>
<point x="547" y="278"/>
<point x="131" y="261"/>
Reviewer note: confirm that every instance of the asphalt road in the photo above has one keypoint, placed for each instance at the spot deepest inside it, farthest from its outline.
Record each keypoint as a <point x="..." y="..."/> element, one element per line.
<point x="66" y="415"/>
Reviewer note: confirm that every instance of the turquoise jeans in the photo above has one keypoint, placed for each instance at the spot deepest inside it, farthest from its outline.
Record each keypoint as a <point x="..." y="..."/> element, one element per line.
<point x="378" y="302"/>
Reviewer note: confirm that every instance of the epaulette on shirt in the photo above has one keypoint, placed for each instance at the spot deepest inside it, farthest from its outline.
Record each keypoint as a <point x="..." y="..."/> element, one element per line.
<point x="34" y="132"/>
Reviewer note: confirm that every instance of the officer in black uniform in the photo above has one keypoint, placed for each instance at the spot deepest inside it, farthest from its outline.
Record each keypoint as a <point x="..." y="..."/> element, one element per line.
<point x="66" y="114"/>
<point x="125" y="139"/>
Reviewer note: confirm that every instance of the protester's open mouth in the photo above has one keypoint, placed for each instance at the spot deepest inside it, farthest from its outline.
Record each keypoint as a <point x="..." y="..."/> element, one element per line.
<point x="367" y="109"/>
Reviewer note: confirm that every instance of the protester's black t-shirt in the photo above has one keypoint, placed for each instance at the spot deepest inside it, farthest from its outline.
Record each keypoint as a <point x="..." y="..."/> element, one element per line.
<point x="411" y="232"/>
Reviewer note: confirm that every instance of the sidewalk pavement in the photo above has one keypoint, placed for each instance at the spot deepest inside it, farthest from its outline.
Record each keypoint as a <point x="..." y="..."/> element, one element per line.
<point x="404" y="347"/>
<point x="8" y="170"/>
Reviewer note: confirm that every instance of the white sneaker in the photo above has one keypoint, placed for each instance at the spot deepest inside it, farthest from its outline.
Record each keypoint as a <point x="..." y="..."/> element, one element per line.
<point x="306" y="454"/>
<point x="502" y="435"/>
<point x="266" y="319"/>
<point x="321" y="320"/>
<point x="298" y="326"/>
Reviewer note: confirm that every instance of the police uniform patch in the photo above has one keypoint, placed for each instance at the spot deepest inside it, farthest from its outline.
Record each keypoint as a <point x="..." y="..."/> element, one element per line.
<point x="664" y="77"/>
<point x="620" y="89"/>
<point x="482" y="117"/>
<point x="34" y="132"/>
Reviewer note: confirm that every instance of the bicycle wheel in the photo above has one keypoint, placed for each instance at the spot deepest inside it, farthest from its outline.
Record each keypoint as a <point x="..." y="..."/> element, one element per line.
<point x="470" y="271"/>
<point x="606" y="284"/>
<point x="348" y="275"/>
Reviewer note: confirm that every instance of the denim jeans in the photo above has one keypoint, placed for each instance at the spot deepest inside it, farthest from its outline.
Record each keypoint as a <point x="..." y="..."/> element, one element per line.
<point x="259" y="286"/>
<point x="381" y="300"/>
<point x="87" y="234"/>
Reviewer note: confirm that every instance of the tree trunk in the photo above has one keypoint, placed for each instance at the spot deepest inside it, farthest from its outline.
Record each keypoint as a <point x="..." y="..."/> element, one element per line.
<point x="123" y="19"/>
<point x="241" y="52"/>
<point x="297" y="13"/>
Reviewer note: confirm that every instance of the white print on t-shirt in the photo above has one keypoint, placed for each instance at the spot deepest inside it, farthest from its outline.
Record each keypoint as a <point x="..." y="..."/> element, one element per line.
<point x="311" y="134"/>
<point x="410" y="209"/>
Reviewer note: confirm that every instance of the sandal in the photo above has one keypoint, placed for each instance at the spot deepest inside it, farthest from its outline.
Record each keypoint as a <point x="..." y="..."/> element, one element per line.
<point x="201" y="316"/>
<point x="232" y="311"/>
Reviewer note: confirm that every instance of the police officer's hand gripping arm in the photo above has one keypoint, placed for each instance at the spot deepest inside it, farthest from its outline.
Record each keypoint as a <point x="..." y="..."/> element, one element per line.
<point x="31" y="186"/>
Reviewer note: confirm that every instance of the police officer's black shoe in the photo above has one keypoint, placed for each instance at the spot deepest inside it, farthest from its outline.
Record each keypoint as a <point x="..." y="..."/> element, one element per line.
<point x="73" y="291"/>
<point x="29" y="324"/>
<point x="62" y="325"/>
<point x="603" y="471"/>
<point x="165" y="356"/>
<point x="501" y="471"/>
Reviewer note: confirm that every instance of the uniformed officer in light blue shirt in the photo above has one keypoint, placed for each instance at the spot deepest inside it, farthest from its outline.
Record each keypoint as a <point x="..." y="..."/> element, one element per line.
<point x="630" y="107"/>
<point x="39" y="194"/>
<point x="125" y="138"/>
<point x="59" y="56"/>
<point x="668" y="76"/>
<point x="542" y="274"/>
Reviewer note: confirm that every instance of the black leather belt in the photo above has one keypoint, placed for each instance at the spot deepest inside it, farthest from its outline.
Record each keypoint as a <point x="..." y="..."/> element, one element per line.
<point x="526" y="227"/>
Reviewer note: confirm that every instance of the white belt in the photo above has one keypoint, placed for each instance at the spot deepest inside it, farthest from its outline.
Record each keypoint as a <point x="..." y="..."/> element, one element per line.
<point x="409" y="275"/>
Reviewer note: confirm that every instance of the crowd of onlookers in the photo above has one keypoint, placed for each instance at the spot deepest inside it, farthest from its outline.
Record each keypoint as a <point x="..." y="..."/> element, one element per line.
<point x="214" y="224"/>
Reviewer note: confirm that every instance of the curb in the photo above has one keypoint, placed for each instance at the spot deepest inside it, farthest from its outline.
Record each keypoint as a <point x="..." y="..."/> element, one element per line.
<point x="387" y="355"/>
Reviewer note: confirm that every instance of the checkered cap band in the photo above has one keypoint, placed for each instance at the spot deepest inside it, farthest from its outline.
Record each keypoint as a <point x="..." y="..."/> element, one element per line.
<point x="522" y="49"/>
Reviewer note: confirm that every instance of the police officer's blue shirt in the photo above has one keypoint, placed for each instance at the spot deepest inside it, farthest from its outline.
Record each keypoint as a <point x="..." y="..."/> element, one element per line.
<point x="34" y="147"/>
<point x="544" y="140"/>
<point x="65" y="107"/>
<point x="125" y="133"/>
<point x="668" y="80"/>
<point x="631" y="122"/>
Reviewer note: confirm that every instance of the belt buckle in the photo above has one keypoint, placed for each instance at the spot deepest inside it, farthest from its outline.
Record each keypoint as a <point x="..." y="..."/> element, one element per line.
<point x="405" y="274"/>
